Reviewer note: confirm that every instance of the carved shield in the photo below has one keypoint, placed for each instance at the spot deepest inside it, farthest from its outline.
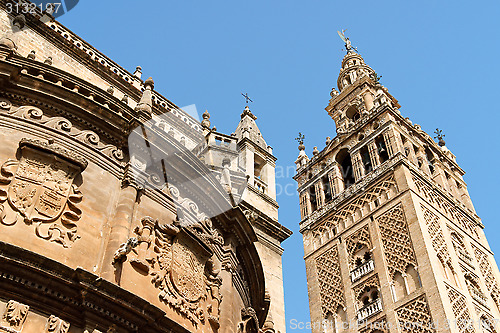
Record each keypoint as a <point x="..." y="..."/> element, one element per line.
<point x="41" y="186"/>
<point x="188" y="270"/>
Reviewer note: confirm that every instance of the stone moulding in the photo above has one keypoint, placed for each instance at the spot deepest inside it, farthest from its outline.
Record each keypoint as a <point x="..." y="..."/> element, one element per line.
<point x="62" y="125"/>
<point x="80" y="297"/>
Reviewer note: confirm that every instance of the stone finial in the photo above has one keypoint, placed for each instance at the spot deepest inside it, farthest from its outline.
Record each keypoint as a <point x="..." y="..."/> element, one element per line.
<point x="138" y="72"/>
<point x="146" y="103"/>
<point x="17" y="24"/>
<point x="214" y="129"/>
<point x="247" y="112"/>
<point x="206" y="120"/>
<point x="32" y="55"/>
<point x="315" y="151"/>
<point x="110" y="90"/>
<point x="48" y="61"/>
<point x="334" y="93"/>
<point x="328" y="140"/>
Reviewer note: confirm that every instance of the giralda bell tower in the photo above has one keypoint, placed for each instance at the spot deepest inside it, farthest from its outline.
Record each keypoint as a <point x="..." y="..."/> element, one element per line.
<point x="392" y="242"/>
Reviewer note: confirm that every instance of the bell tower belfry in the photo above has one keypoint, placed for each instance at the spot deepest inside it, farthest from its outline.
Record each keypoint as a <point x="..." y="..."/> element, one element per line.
<point x="391" y="239"/>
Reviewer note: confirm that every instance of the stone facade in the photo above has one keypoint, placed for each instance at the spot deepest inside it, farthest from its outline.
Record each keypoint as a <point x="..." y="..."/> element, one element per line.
<point x="96" y="234"/>
<point x="392" y="242"/>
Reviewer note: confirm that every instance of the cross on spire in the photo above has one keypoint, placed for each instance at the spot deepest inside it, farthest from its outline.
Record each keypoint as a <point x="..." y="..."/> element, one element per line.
<point x="245" y="95"/>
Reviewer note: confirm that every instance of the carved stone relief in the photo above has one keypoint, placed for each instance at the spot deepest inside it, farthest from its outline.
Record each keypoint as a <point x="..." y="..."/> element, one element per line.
<point x="449" y="209"/>
<point x="182" y="266"/>
<point x="463" y="320"/>
<point x="249" y="322"/>
<point x="60" y="124"/>
<point x="330" y="282"/>
<point x="415" y="316"/>
<point x="56" y="325"/>
<point x="14" y="316"/>
<point x="39" y="189"/>
<point x="396" y="240"/>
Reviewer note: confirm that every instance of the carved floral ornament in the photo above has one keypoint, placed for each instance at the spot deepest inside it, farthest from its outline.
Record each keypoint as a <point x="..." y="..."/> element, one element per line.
<point x="39" y="189"/>
<point x="14" y="316"/>
<point x="182" y="266"/>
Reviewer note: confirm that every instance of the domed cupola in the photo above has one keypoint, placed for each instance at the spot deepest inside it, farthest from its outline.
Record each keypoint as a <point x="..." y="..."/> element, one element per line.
<point x="353" y="68"/>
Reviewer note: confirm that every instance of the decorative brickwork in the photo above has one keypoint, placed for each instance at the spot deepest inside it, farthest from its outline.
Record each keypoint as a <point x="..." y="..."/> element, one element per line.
<point x="437" y="237"/>
<point x="463" y="320"/>
<point x="366" y="197"/>
<point x="362" y="236"/>
<point x="449" y="209"/>
<point x="330" y="281"/>
<point x="489" y="277"/>
<point x="398" y="248"/>
<point x="415" y="316"/>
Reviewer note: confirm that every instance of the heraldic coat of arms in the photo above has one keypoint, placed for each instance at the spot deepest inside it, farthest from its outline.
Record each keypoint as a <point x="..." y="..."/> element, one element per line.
<point x="38" y="189"/>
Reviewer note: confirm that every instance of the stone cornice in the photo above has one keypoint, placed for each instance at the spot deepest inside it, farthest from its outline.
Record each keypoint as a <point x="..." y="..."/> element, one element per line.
<point x="78" y="295"/>
<point x="56" y="150"/>
<point x="102" y="66"/>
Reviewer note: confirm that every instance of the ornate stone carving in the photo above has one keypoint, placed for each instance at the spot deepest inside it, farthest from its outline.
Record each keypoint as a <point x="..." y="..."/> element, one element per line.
<point x="489" y="278"/>
<point x="364" y="286"/>
<point x="360" y="237"/>
<point x="14" y="316"/>
<point x="463" y="320"/>
<point x="368" y="195"/>
<point x="39" y="189"/>
<point x="56" y="325"/>
<point x="437" y="237"/>
<point x="330" y="282"/>
<point x="448" y="208"/>
<point x="398" y="248"/>
<point x="60" y="124"/>
<point x="415" y="316"/>
<point x="182" y="267"/>
<point x="249" y="322"/>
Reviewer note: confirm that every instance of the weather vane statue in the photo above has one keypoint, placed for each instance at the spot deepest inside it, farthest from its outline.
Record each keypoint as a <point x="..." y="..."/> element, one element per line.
<point x="440" y="137"/>
<point x="347" y="42"/>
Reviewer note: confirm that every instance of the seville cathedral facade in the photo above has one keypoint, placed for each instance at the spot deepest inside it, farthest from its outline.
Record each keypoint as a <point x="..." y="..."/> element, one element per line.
<point x="119" y="212"/>
<point x="391" y="238"/>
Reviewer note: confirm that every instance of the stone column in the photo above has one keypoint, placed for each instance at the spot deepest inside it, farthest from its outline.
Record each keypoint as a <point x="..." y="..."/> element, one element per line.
<point x="357" y="164"/>
<point x="331" y="181"/>
<point x="368" y="99"/>
<point x="320" y="194"/>
<point x="439" y="176"/>
<point x="338" y="180"/>
<point x="374" y="157"/>
<point x="308" y="202"/>
<point x="120" y="230"/>
<point x="270" y="178"/>
<point x="422" y="158"/>
<point x="391" y="143"/>
<point x="303" y="204"/>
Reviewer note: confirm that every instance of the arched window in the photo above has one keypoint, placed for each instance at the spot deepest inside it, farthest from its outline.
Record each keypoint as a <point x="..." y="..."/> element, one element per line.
<point x="353" y="113"/>
<point x="344" y="160"/>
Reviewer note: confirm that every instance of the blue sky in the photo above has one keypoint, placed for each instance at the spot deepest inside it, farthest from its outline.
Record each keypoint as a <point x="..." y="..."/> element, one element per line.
<point x="440" y="59"/>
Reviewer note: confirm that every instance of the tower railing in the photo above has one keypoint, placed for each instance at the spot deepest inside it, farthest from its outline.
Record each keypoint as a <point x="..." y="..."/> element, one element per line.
<point x="370" y="310"/>
<point x="366" y="268"/>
